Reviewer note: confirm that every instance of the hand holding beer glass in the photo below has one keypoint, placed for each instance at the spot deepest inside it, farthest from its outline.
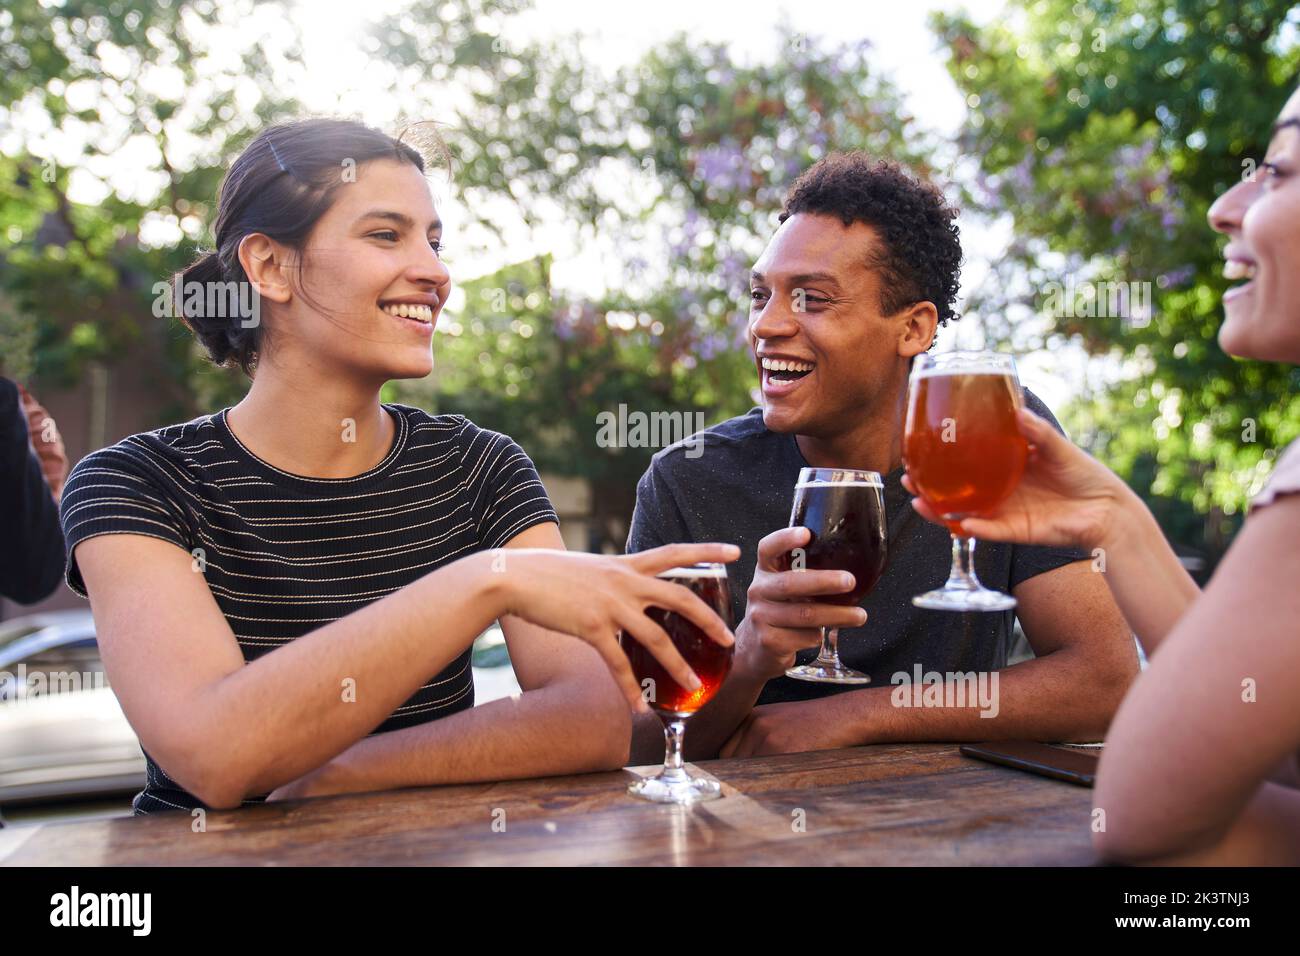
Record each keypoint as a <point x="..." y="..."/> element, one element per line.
<point x="965" y="455"/>
<point x="674" y="703"/>
<point x="1066" y="498"/>
<point x="845" y="511"/>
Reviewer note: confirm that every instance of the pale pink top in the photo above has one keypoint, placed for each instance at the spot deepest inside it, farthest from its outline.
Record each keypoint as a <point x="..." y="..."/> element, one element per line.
<point x="1285" y="479"/>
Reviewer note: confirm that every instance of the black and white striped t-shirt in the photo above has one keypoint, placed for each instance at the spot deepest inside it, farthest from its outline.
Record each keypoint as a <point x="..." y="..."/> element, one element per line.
<point x="284" y="554"/>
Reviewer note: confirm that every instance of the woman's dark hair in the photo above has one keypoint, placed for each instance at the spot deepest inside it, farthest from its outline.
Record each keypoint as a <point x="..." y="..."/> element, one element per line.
<point x="920" y="258"/>
<point x="280" y="186"/>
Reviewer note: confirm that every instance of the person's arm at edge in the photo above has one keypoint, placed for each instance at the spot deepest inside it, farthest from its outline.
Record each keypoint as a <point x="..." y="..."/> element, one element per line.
<point x="1185" y="784"/>
<point x="1073" y="500"/>
<point x="32" y="563"/>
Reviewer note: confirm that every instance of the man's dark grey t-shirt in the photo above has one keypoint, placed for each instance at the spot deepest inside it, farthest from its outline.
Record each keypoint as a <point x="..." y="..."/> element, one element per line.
<point x="735" y="483"/>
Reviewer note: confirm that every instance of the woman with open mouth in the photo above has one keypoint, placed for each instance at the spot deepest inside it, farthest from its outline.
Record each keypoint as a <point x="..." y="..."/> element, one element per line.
<point x="1200" y="764"/>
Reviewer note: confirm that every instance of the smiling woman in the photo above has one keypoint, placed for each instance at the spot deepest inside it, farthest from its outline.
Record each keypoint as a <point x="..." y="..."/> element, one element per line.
<point x="288" y="224"/>
<point x="1202" y="763"/>
<point x="285" y="591"/>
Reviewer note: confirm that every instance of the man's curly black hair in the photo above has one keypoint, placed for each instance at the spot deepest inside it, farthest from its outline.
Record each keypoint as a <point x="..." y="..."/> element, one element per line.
<point x="920" y="256"/>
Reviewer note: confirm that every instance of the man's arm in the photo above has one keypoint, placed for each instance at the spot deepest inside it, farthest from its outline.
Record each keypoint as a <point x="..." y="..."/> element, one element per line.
<point x="1086" y="659"/>
<point x="571" y="718"/>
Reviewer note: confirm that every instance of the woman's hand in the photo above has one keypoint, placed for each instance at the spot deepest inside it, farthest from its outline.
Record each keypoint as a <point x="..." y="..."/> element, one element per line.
<point x="593" y="597"/>
<point x="1066" y="496"/>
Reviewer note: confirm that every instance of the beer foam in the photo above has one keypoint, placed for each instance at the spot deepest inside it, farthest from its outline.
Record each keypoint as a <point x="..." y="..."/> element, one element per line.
<point x="961" y="370"/>
<point x="822" y="483"/>
<point x="718" y="573"/>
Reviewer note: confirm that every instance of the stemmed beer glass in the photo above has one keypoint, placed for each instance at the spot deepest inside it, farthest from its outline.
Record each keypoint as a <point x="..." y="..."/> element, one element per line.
<point x="964" y="454"/>
<point x="845" y="511"/>
<point x="674" y="703"/>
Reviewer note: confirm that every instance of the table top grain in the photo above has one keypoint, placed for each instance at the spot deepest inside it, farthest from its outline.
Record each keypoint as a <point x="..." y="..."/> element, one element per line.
<point x="884" y="804"/>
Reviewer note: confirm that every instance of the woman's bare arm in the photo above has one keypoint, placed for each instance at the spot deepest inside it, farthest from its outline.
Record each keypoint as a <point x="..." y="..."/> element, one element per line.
<point x="1214" y="715"/>
<point x="1150" y="585"/>
<point x="224" y="730"/>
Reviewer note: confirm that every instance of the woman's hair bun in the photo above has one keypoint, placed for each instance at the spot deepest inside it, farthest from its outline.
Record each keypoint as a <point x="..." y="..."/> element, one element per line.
<point x="209" y="306"/>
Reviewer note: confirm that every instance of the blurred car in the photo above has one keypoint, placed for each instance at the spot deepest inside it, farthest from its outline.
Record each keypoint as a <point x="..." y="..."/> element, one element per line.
<point x="62" y="733"/>
<point x="494" y="676"/>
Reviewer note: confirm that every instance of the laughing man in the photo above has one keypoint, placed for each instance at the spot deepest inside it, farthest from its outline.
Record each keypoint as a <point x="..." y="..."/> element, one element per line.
<point x="852" y="286"/>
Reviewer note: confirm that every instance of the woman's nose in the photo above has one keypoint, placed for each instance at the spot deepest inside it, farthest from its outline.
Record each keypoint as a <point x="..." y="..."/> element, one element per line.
<point x="1225" y="215"/>
<point x="430" y="268"/>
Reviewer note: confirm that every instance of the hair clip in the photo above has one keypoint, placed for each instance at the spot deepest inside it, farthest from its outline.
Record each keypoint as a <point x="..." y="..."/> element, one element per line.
<point x="276" y="154"/>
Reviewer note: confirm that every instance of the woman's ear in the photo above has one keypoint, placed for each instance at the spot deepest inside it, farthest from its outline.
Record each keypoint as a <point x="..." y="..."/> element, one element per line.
<point x="919" y="323"/>
<point x="264" y="262"/>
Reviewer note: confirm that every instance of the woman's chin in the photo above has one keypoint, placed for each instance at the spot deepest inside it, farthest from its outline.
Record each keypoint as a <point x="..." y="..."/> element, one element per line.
<point x="1255" y="336"/>
<point x="1236" y="334"/>
<point x="408" y="363"/>
<point x="414" y="369"/>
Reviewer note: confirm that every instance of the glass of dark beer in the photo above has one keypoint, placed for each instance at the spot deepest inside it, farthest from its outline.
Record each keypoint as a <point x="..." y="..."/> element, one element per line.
<point x="845" y="511"/>
<point x="674" y="703"/>
<point x="965" y="454"/>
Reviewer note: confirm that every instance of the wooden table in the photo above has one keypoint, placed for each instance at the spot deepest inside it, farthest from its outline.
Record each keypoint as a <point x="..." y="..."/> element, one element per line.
<point x="908" y="804"/>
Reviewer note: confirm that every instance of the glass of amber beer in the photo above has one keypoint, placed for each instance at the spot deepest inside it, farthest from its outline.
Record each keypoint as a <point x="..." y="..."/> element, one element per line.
<point x="845" y="511"/>
<point x="964" y="453"/>
<point x="674" y="703"/>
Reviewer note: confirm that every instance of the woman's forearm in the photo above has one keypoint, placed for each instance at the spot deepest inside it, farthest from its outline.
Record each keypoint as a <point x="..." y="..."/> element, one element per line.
<point x="1150" y="585"/>
<point x="547" y="731"/>
<point x="325" y="690"/>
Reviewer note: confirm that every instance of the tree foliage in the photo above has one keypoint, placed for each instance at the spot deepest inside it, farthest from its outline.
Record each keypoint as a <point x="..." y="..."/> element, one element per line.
<point x="1105" y="129"/>
<point x="675" y="166"/>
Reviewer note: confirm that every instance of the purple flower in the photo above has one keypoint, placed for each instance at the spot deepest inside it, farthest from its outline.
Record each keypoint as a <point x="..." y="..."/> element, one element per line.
<point x="1020" y="174"/>
<point x="721" y="166"/>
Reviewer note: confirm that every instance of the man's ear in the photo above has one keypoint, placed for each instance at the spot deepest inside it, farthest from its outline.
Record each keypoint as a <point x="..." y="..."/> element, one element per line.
<point x="919" y="322"/>
<point x="264" y="261"/>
